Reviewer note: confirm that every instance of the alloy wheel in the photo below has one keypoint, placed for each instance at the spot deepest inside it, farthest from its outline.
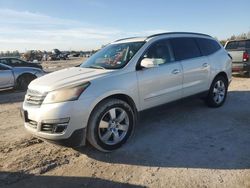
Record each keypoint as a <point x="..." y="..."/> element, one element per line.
<point x="113" y="126"/>
<point x="219" y="92"/>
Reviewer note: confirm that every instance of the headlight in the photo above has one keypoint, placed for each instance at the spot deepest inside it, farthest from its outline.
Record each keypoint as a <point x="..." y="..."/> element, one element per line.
<point x="65" y="94"/>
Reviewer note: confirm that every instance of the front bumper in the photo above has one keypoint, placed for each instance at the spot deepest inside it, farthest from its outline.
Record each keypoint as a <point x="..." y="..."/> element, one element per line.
<point x="73" y="114"/>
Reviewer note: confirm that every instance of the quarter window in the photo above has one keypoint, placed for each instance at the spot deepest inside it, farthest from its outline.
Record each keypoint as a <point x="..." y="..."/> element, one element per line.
<point x="208" y="46"/>
<point x="185" y="48"/>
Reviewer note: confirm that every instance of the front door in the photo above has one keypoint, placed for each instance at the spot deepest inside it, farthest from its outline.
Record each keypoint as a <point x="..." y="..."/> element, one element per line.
<point x="6" y="77"/>
<point x="162" y="83"/>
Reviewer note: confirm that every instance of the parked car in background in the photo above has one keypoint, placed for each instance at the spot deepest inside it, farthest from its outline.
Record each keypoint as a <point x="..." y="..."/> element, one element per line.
<point x="75" y="54"/>
<point x="15" y="62"/>
<point x="240" y="53"/>
<point x="100" y="100"/>
<point x="57" y="55"/>
<point x="15" y="73"/>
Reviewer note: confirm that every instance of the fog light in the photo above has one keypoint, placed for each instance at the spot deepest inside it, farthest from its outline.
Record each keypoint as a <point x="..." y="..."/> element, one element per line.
<point x="54" y="125"/>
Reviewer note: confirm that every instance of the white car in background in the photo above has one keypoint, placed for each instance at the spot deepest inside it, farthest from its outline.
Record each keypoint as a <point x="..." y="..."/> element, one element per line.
<point x="99" y="101"/>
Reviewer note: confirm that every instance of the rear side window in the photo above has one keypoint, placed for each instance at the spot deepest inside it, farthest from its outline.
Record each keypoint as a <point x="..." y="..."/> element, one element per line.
<point x="185" y="48"/>
<point x="208" y="46"/>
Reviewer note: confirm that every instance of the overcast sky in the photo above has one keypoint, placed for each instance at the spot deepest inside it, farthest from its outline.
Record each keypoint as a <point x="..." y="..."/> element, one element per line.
<point x="84" y="25"/>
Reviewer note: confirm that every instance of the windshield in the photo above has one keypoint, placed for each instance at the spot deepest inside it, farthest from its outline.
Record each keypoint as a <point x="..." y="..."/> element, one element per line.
<point x="114" y="56"/>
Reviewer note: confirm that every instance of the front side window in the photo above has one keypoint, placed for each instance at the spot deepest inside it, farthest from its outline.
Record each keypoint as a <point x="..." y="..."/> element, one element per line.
<point x="160" y="52"/>
<point x="114" y="56"/>
<point x="185" y="48"/>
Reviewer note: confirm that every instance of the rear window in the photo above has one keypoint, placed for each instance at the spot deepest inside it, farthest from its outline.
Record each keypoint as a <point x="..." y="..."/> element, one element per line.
<point x="208" y="46"/>
<point x="234" y="45"/>
<point x="185" y="48"/>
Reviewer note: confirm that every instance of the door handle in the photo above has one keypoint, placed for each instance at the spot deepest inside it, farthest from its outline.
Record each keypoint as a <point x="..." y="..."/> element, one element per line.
<point x="205" y="65"/>
<point x="175" y="71"/>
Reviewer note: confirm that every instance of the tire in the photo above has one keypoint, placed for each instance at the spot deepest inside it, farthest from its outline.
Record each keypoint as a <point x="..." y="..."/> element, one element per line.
<point x="110" y="125"/>
<point x="23" y="81"/>
<point x="217" y="92"/>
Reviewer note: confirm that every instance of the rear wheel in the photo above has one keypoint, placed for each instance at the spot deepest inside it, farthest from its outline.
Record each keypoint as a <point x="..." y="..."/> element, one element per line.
<point x="23" y="81"/>
<point x="110" y="125"/>
<point x="218" y="92"/>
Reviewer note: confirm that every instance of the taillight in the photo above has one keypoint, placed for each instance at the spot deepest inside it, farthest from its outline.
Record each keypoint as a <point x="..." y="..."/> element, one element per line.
<point x="245" y="56"/>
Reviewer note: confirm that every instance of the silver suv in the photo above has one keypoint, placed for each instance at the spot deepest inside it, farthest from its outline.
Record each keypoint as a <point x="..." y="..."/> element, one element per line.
<point x="99" y="101"/>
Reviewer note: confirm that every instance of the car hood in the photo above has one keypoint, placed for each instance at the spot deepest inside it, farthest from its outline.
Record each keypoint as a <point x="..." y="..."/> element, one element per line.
<point x="66" y="78"/>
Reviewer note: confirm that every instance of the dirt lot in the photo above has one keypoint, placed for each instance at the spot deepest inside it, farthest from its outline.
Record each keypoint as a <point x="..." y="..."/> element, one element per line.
<point x="179" y="145"/>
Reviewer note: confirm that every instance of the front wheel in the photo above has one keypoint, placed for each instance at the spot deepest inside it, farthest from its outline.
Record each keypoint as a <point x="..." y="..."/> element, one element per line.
<point x="110" y="125"/>
<point x="218" y="92"/>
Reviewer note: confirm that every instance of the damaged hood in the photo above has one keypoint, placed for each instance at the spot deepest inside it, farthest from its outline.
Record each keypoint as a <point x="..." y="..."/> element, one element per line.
<point x="66" y="77"/>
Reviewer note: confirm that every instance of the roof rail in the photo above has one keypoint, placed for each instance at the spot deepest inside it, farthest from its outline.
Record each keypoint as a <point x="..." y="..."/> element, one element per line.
<point x="125" y="39"/>
<point x="159" y="34"/>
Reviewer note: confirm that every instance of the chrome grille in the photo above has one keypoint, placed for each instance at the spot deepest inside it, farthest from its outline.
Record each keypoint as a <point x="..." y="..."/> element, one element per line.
<point x="34" y="97"/>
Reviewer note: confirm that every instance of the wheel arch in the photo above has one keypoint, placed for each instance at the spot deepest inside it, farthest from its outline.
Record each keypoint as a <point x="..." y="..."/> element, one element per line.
<point x="223" y="74"/>
<point x="121" y="96"/>
<point x="24" y="74"/>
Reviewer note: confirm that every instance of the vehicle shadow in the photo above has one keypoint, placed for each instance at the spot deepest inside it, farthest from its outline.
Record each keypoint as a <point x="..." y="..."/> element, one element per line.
<point x="11" y="96"/>
<point x="188" y="134"/>
<point x="15" y="179"/>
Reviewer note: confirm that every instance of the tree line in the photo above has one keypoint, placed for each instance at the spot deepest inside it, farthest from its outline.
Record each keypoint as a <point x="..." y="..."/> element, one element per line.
<point x="236" y="37"/>
<point x="16" y="53"/>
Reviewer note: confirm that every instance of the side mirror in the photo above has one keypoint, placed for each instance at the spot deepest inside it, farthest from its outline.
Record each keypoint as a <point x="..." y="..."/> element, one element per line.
<point x="148" y="63"/>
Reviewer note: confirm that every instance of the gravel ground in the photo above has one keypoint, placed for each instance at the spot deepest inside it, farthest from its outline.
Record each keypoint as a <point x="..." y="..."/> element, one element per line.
<point x="185" y="144"/>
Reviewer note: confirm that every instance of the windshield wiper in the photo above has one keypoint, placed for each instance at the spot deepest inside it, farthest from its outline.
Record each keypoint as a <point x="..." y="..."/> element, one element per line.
<point x="96" y="66"/>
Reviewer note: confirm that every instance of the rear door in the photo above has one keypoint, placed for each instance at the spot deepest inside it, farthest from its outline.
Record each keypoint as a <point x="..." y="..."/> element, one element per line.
<point x="161" y="84"/>
<point x="196" y="67"/>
